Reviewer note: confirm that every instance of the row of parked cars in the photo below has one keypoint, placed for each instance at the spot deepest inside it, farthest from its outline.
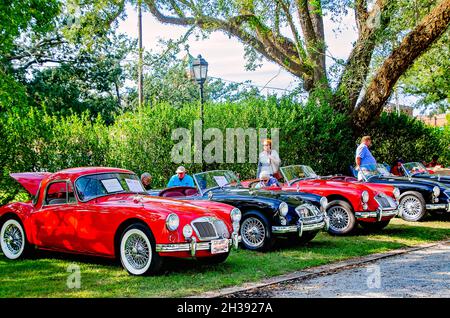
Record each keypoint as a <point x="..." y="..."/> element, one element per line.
<point x="106" y="212"/>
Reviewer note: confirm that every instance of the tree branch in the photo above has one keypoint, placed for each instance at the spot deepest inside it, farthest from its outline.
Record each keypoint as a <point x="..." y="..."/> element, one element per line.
<point x="282" y="51"/>
<point x="413" y="45"/>
<point x="356" y="69"/>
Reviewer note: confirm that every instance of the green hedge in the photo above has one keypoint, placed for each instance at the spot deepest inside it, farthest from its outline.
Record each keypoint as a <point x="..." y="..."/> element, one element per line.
<point x="141" y="141"/>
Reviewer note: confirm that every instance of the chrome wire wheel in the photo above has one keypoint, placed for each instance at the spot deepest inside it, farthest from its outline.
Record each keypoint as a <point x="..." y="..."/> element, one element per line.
<point x="136" y="251"/>
<point x="339" y="218"/>
<point x="12" y="239"/>
<point x="253" y="232"/>
<point x="411" y="208"/>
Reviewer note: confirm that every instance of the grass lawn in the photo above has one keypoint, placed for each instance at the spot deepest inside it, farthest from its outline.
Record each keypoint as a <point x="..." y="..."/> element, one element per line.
<point x="46" y="275"/>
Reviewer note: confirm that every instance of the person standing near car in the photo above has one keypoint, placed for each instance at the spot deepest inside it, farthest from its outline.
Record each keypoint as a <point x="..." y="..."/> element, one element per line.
<point x="363" y="155"/>
<point x="181" y="179"/>
<point x="269" y="160"/>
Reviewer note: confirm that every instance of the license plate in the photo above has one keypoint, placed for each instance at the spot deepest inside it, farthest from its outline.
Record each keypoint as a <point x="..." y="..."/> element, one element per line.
<point x="219" y="246"/>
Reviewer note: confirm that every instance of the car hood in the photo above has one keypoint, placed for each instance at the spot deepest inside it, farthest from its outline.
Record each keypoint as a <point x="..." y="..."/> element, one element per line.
<point x="156" y="204"/>
<point x="420" y="181"/>
<point x="30" y="180"/>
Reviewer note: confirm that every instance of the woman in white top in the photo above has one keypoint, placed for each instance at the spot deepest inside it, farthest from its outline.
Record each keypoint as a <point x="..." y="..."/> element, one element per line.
<point x="269" y="160"/>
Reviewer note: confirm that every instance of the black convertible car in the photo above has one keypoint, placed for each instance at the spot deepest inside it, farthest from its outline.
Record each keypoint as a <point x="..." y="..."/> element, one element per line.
<point x="417" y="195"/>
<point x="265" y="214"/>
<point x="417" y="170"/>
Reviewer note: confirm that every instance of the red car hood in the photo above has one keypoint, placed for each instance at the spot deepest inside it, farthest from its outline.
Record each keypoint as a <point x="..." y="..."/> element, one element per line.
<point x="30" y="180"/>
<point x="157" y="204"/>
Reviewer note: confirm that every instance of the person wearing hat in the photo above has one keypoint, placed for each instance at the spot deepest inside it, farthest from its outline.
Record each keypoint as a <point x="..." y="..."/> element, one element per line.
<point x="181" y="179"/>
<point x="265" y="180"/>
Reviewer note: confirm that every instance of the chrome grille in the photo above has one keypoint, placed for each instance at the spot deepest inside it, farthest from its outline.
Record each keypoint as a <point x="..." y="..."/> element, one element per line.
<point x="311" y="214"/>
<point x="384" y="201"/>
<point x="209" y="228"/>
<point x="221" y="229"/>
<point x="205" y="230"/>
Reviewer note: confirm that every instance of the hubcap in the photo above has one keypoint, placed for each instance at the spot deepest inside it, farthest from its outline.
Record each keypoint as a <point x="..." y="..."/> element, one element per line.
<point x="253" y="232"/>
<point x="137" y="251"/>
<point x="411" y="207"/>
<point x="12" y="239"/>
<point x="339" y="218"/>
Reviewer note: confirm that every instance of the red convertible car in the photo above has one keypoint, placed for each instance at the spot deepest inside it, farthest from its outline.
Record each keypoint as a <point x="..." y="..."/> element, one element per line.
<point x="106" y="212"/>
<point x="349" y="204"/>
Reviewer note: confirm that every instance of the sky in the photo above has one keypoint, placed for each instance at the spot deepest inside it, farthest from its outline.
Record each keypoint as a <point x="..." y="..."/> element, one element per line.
<point x="225" y="55"/>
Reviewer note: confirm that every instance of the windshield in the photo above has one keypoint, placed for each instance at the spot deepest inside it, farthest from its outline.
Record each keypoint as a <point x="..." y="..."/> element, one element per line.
<point x="97" y="185"/>
<point x="292" y="173"/>
<point x="374" y="170"/>
<point x="412" y="168"/>
<point x="215" y="179"/>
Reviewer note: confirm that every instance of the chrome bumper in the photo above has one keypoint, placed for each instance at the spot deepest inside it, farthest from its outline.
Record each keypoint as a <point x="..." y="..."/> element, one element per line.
<point x="438" y="206"/>
<point x="193" y="246"/>
<point x="301" y="227"/>
<point x="378" y="214"/>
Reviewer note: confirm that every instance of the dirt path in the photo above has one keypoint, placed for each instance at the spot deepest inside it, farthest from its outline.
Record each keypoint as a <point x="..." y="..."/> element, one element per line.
<point x="421" y="273"/>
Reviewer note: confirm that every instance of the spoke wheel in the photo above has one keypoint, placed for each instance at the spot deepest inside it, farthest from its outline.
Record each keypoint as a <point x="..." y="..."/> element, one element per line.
<point x="137" y="251"/>
<point x="342" y="219"/>
<point x="253" y="232"/>
<point x="12" y="239"/>
<point x="412" y="207"/>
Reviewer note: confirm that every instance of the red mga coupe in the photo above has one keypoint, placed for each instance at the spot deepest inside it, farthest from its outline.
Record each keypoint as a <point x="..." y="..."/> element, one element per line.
<point x="349" y="203"/>
<point x="106" y="212"/>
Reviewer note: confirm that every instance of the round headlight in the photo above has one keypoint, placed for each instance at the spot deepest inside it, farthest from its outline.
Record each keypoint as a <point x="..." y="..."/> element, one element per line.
<point x="284" y="208"/>
<point x="396" y="193"/>
<point x="187" y="231"/>
<point x="323" y="202"/>
<point x="436" y="191"/>
<point x="365" y="196"/>
<point x="172" y="222"/>
<point x="235" y="215"/>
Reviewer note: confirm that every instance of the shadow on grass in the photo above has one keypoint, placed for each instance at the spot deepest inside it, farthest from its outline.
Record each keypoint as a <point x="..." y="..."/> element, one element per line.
<point x="46" y="274"/>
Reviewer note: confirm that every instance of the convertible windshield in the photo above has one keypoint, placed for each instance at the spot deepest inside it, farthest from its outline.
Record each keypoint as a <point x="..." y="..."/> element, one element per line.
<point x="292" y="173"/>
<point x="412" y="168"/>
<point x="215" y="179"/>
<point x="97" y="185"/>
<point x="374" y="170"/>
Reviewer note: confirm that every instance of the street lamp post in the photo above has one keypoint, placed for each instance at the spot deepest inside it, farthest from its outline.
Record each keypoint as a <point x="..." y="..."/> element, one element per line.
<point x="199" y="68"/>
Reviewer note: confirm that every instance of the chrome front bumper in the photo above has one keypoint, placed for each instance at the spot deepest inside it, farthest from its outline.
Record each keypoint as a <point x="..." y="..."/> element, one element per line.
<point x="378" y="214"/>
<point x="300" y="228"/>
<point x="193" y="246"/>
<point x="438" y="206"/>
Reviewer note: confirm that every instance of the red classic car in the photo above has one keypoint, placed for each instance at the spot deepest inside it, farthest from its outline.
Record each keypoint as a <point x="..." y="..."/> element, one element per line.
<point x="349" y="203"/>
<point x="106" y="212"/>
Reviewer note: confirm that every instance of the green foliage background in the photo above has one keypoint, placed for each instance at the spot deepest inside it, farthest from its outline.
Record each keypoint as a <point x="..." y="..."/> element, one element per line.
<point x="141" y="141"/>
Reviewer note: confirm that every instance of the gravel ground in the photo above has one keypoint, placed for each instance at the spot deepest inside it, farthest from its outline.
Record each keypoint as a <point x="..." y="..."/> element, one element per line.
<point x="422" y="273"/>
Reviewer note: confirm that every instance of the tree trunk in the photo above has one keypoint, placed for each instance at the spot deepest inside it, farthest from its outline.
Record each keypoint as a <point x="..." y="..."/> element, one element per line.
<point x="413" y="45"/>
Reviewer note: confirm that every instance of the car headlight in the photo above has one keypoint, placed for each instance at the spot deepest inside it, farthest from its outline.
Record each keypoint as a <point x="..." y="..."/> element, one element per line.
<point x="235" y="215"/>
<point x="365" y="196"/>
<point x="396" y="193"/>
<point x="172" y="222"/>
<point x="187" y="231"/>
<point x="436" y="191"/>
<point x="323" y="202"/>
<point x="283" y="208"/>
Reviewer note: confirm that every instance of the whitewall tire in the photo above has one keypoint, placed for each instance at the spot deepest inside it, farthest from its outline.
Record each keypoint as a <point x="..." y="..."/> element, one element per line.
<point x="12" y="239"/>
<point x="137" y="251"/>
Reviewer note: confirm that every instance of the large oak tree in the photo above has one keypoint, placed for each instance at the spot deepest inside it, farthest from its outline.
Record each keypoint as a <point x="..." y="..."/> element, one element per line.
<point x="291" y="33"/>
